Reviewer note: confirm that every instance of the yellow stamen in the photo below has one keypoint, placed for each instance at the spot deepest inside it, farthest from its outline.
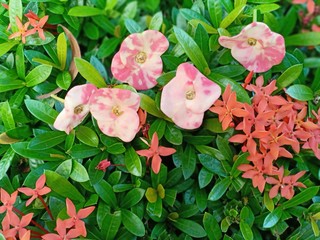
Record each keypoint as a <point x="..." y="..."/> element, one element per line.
<point x="78" y="109"/>
<point x="190" y="95"/>
<point x="252" y="41"/>
<point x="141" y="57"/>
<point x="116" y="111"/>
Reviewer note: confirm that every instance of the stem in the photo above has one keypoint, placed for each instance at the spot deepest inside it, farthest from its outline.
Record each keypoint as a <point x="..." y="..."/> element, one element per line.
<point x="57" y="98"/>
<point x="255" y="15"/>
<point x="46" y="206"/>
<point x="34" y="222"/>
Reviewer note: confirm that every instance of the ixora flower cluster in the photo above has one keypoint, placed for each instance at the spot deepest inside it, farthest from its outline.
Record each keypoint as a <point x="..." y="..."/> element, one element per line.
<point x="15" y="222"/>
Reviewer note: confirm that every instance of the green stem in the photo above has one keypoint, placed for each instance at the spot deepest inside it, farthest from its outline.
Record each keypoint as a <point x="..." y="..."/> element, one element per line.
<point x="255" y="15"/>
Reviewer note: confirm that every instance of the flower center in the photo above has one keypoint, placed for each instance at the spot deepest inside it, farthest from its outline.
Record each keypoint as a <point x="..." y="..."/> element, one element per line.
<point x="252" y="41"/>
<point x="78" y="109"/>
<point x="116" y="111"/>
<point x="190" y="95"/>
<point x="141" y="57"/>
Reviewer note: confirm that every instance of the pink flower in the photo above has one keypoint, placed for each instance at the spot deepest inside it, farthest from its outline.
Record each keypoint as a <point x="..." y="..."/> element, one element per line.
<point x="103" y="165"/>
<point x="310" y="4"/>
<point x="138" y="61"/>
<point x="22" y="32"/>
<point x="76" y="107"/>
<point x="256" y="47"/>
<point x="187" y="96"/>
<point x="116" y="112"/>
<point x="63" y="234"/>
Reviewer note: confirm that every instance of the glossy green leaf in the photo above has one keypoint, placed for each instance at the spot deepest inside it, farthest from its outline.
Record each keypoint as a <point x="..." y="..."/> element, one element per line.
<point x="204" y="177"/>
<point x="170" y="196"/>
<point x="192" y="50"/>
<point x="20" y="65"/>
<point x="133" y="162"/>
<point x="64" y="80"/>
<point x="133" y="197"/>
<point x="83" y="151"/>
<point x="215" y="12"/>
<point x="303" y="39"/>
<point x="41" y="111"/>
<point x="149" y="105"/>
<point x="5" y="162"/>
<point x="110" y="225"/>
<point x="8" y="85"/>
<point x="158" y="126"/>
<point x="62" y="50"/>
<point x="189" y="14"/>
<point x="87" y="136"/>
<point x="246" y="230"/>
<point x="301" y="197"/>
<point x="38" y="75"/>
<point x="300" y="92"/>
<point x="156" y="21"/>
<point x="212" y="227"/>
<point x="79" y="172"/>
<point x="47" y="140"/>
<point x="272" y="218"/>
<point x="85" y="11"/>
<point x="21" y="148"/>
<point x="212" y="164"/>
<point x="6" y="116"/>
<point x="6" y="47"/>
<point x="89" y="73"/>
<point x="56" y="181"/>
<point x="268" y="202"/>
<point x="189" y="160"/>
<point x="132" y="26"/>
<point x="173" y="134"/>
<point x="219" y="189"/>
<point x="105" y="192"/>
<point x="229" y="19"/>
<point x="189" y="227"/>
<point x="263" y="8"/>
<point x="289" y="76"/>
<point x="132" y="223"/>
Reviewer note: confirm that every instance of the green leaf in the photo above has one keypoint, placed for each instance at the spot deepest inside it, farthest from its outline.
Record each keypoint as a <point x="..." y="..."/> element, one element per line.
<point x="15" y="10"/>
<point x="189" y="14"/>
<point x="212" y="164"/>
<point x="85" y="11"/>
<point x="20" y="65"/>
<point x="219" y="189"/>
<point x="21" y="148"/>
<point x="300" y="92"/>
<point x="132" y="26"/>
<point x="8" y="85"/>
<point x="241" y="159"/>
<point x="263" y="8"/>
<point x="87" y="136"/>
<point x="149" y="105"/>
<point x="5" y="47"/>
<point x="224" y="148"/>
<point x="47" y="140"/>
<point x="35" y="40"/>
<point x="303" y="39"/>
<point x="268" y="202"/>
<point x="132" y="198"/>
<point x="231" y="16"/>
<point x="272" y="218"/>
<point x="64" y="80"/>
<point x="170" y="196"/>
<point x="158" y="126"/>
<point x="289" y="76"/>
<point x="89" y="73"/>
<point x="133" y="162"/>
<point x="132" y="223"/>
<point x="212" y="227"/>
<point x="56" y="181"/>
<point x="79" y="172"/>
<point x="192" y="50"/>
<point x="62" y="50"/>
<point x="246" y="230"/>
<point x="156" y="21"/>
<point x="301" y="197"/>
<point x="38" y="75"/>
<point x="173" y="134"/>
<point x="189" y="161"/>
<point x="83" y="151"/>
<point x="6" y="116"/>
<point x="111" y="224"/>
<point x="108" y="47"/>
<point x="106" y="193"/>
<point x="41" y="111"/>
<point x="204" y="177"/>
<point x="189" y="227"/>
<point x="5" y="162"/>
<point x="215" y="12"/>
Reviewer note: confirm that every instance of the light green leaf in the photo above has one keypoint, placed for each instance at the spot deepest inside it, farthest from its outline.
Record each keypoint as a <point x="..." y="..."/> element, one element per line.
<point x="15" y="10"/>
<point x="303" y="39"/>
<point x="20" y="66"/>
<point x="89" y="73"/>
<point x="149" y="105"/>
<point x="132" y="223"/>
<point x="62" y="50"/>
<point x="38" y="75"/>
<point x="41" y="111"/>
<point x="231" y="16"/>
<point x="215" y="12"/>
<point x="85" y="11"/>
<point x="79" y="172"/>
<point x="87" y="136"/>
<point x="5" y="162"/>
<point x="132" y="26"/>
<point x="6" y="116"/>
<point x="133" y="162"/>
<point x="289" y="76"/>
<point x="5" y="47"/>
<point x="301" y="197"/>
<point x="156" y="21"/>
<point x="300" y="92"/>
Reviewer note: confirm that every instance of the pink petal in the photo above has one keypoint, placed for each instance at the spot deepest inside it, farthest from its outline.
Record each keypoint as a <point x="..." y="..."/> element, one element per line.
<point x="268" y="51"/>
<point x="26" y="219"/>
<point x="51" y="236"/>
<point x="155" y="41"/>
<point x="274" y="191"/>
<point x="156" y="163"/>
<point x="145" y="153"/>
<point x="165" y="151"/>
<point x="154" y="142"/>
<point x="44" y="191"/>
<point x="27" y="191"/>
<point x="85" y="212"/>
<point x="71" y="209"/>
<point x="30" y="200"/>
<point x="41" y="181"/>
<point x="79" y="95"/>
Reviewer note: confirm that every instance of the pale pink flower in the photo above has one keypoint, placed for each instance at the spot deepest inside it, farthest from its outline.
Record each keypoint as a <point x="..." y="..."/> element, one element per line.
<point x="256" y="47"/>
<point x="187" y="96"/>
<point x="116" y="112"/>
<point x="138" y="61"/>
<point x="76" y="107"/>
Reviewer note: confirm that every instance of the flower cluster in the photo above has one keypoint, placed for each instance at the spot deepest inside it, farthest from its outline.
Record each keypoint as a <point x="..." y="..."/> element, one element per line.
<point x="24" y="29"/>
<point x="17" y="225"/>
<point x="271" y="128"/>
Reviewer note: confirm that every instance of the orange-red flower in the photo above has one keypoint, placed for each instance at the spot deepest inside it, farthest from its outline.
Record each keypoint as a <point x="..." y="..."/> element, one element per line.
<point x="155" y="151"/>
<point x="63" y="234"/>
<point x="22" y="32"/>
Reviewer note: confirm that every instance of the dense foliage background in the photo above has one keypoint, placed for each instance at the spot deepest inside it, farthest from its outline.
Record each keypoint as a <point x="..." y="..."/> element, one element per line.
<point x="199" y="191"/>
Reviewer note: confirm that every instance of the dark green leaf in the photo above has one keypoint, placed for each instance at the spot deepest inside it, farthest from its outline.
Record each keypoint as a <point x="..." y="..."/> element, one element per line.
<point x="133" y="162"/>
<point x="41" y="111"/>
<point x="105" y="192"/>
<point x="158" y="126"/>
<point x="133" y="197"/>
<point x="47" y="140"/>
<point x="219" y="189"/>
<point x="289" y="76"/>
<point x="110" y="225"/>
<point x="132" y="223"/>
<point x="189" y="227"/>
<point x="215" y="12"/>
<point x="246" y="230"/>
<point x="173" y="134"/>
<point x="302" y="197"/>
<point x="212" y="227"/>
<point x="212" y="164"/>
<point x="204" y="177"/>
<point x="272" y="218"/>
<point x="20" y="65"/>
<point x="83" y="151"/>
<point x="189" y="161"/>
<point x="7" y="85"/>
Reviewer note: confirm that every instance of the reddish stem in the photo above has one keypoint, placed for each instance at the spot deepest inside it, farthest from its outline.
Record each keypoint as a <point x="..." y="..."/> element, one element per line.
<point x="45" y="206"/>
<point x="34" y="222"/>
